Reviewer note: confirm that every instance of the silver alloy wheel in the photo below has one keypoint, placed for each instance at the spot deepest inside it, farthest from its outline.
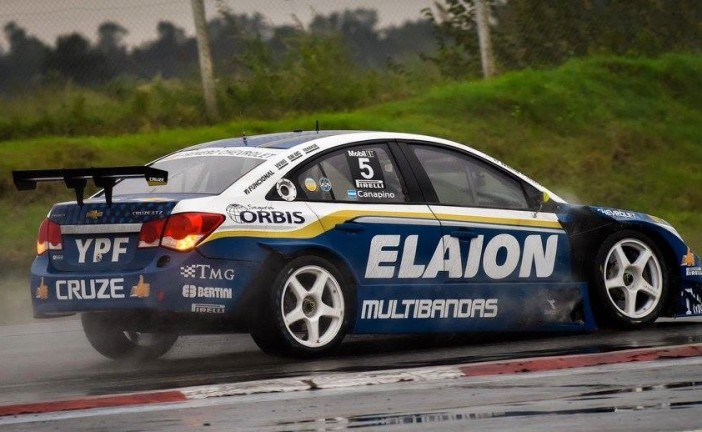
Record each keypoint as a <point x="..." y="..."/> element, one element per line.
<point x="312" y="306"/>
<point x="633" y="278"/>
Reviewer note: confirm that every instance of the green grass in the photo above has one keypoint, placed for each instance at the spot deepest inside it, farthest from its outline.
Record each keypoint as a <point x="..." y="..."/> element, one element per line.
<point x="620" y="132"/>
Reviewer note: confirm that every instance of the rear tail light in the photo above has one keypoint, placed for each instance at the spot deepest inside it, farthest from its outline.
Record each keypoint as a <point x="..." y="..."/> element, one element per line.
<point x="49" y="237"/>
<point x="150" y="234"/>
<point x="180" y="232"/>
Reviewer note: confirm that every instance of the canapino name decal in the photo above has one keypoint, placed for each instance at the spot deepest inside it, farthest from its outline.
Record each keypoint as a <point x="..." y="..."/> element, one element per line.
<point x="429" y="309"/>
<point x="390" y="257"/>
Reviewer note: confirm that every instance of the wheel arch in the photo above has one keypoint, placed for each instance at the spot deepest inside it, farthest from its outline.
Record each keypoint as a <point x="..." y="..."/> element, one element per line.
<point x="588" y="227"/>
<point x="590" y="243"/>
<point x="671" y="260"/>
<point x="280" y="253"/>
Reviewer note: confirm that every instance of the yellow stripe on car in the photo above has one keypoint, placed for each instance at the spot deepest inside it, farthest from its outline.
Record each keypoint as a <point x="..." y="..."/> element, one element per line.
<point x="328" y="222"/>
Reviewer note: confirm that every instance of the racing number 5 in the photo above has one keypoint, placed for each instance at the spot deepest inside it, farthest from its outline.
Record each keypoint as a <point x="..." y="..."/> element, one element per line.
<point x="366" y="170"/>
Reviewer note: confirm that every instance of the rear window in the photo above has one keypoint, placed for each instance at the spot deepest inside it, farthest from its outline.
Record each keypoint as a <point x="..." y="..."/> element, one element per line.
<point x="199" y="171"/>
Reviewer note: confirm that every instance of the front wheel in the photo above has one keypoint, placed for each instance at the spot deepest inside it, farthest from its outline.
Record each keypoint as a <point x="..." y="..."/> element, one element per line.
<point x="306" y="312"/>
<point x="109" y="336"/>
<point x="630" y="281"/>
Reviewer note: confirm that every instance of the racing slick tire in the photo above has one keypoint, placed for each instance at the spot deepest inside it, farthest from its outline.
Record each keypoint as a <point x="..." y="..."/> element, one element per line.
<point x="306" y="311"/>
<point x="107" y="334"/>
<point x="630" y="281"/>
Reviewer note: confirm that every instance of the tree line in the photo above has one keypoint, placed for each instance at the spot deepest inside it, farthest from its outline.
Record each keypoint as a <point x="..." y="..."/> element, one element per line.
<point x="526" y="33"/>
<point x="537" y="33"/>
<point x="234" y="39"/>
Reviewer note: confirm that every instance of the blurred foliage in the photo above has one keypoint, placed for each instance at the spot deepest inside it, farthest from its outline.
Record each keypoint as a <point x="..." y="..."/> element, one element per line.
<point x="29" y="62"/>
<point x="534" y="33"/>
<point x="341" y="61"/>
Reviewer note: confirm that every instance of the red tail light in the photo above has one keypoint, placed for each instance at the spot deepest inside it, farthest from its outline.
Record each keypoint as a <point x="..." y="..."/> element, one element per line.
<point x="150" y="234"/>
<point x="184" y="231"/>
<point x="49" y="237"/>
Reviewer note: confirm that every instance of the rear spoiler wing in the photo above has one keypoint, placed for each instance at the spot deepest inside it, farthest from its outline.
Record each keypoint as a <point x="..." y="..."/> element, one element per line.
<point x="77" y="178"/>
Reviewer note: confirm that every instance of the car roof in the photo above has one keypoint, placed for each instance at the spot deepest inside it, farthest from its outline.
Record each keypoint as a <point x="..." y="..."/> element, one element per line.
<point x="284" y="140"/>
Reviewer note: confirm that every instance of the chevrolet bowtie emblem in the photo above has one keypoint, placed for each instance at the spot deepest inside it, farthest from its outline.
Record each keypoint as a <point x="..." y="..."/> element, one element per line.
<point x="93" y="214"/>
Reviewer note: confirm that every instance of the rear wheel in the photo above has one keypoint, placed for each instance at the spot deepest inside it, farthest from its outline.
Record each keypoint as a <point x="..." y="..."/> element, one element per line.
<point x="630" y="281"/>
<point x="306" y="311"/>
<point x="110" y="337"/>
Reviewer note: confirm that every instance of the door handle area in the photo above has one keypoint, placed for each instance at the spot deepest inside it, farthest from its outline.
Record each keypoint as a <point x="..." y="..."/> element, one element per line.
<point x="352" y="227"/>
<point x="463" y="234"/>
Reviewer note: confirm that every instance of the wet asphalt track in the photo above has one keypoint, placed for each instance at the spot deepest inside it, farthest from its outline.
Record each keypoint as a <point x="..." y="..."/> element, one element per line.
<point x="51" y="360"/>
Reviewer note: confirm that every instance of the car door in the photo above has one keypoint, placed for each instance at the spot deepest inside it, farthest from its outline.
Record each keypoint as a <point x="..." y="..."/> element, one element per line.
<point x="373" y="217"/>
<point x="507" y="257"/>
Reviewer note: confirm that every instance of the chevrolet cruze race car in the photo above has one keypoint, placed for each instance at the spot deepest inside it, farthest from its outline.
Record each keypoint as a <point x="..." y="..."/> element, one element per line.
<point x="301" y="238"/>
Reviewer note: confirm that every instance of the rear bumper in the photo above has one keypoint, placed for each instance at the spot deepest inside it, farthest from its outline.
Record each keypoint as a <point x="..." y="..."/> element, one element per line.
<point x="187" y="283"/>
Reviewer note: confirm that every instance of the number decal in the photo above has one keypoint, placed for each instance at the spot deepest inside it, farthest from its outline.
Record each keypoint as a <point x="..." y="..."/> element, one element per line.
<point x="366" y="170"/>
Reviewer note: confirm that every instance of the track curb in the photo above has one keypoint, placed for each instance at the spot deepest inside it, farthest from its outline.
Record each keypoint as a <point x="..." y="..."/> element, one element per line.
<point x="345" y="380"/>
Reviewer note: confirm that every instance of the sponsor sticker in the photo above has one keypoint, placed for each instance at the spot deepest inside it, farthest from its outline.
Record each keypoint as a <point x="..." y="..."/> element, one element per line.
<point x="617" y="213"/>
<point x="281" y="164"/>
<point x="429" y="309"/>
<point x="693" y="301"/>
<point x="207" y="272"/>
<point x="286" y="189"/>
<point x="376" y="194"/>
<point x="258" y="182"/>
<point x="156" y="181"/>
<point x="365" y="169"/>
<point x="325" y="184"/>
<point x="255" y="153"/>
<point x="207" y="308"/>
<point x="194" y="291"/>
<point x="91" y="289"/>
<point x="352" y="194"/>
<point x="370" y="184"/>
<point x="310" y="184"/>
<point x="147" y="213"/>
<point x="688" y="260"/>
<point x="391" y="256"/>
<point x="141" y="289"/>
<point x="242" y="214"/>
<point x="97" y="249"/>
<point x="93" y="214"/>
<point x="310" y="148"/>
<point x="294" y="156"/>
<point x="42" y="291"/>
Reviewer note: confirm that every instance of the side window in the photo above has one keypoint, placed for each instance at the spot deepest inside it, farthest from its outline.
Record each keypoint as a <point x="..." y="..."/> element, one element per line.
<point x="462" y="180"/>
<point x="363" y="173"/>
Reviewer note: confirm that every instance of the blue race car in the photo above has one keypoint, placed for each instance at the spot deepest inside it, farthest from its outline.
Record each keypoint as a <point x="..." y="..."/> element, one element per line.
<point x="301" y="238"/>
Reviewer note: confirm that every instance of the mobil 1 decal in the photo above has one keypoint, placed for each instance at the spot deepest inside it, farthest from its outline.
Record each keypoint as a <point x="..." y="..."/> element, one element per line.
<point x="365" y="169"/>
<point x="488" y="257"/>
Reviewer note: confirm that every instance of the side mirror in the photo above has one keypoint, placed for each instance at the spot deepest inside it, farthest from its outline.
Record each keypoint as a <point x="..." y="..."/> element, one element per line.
<point x="538" y="201"/>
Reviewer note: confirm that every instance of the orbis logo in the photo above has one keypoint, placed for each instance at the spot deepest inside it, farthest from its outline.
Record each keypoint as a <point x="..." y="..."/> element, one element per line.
<point x="253" y="215"/>
<point x="500" y="257"/>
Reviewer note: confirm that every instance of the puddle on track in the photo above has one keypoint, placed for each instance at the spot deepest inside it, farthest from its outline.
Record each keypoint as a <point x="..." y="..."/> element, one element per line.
<point x="380" y="420"/>
<point x="460" y="415"/>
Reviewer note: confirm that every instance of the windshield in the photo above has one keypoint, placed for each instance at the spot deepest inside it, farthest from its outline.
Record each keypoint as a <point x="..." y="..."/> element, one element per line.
<point x="196" y="172"/>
